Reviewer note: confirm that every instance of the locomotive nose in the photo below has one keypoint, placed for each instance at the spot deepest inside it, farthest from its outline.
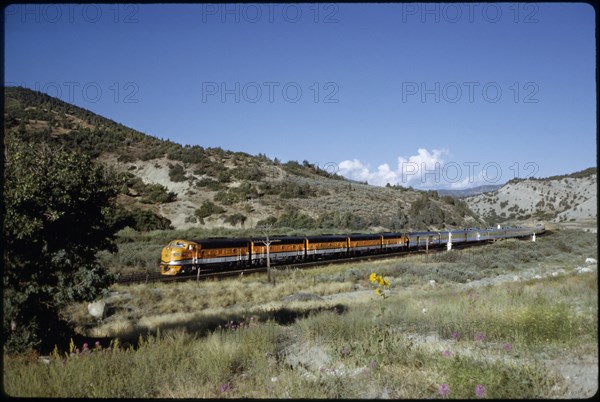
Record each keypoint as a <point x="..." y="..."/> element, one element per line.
<point x="172" y="256"/>
<point x="165" y="255"/>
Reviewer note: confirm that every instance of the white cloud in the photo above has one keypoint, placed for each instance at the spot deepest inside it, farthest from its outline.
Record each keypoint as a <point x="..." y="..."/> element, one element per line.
<point x="425" y="170"/>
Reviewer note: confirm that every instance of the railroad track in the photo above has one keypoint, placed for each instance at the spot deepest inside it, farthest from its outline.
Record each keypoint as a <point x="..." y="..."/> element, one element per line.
<point x="147" y="277"/>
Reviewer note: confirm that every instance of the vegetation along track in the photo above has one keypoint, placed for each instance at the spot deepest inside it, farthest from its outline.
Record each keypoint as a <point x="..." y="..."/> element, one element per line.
<point x="145" y="277"/>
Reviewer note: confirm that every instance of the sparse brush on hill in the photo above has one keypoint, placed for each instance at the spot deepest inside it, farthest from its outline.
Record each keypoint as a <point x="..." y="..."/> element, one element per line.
<point x="161" y="172"/>
<point x="576" y="175"/>
<point x="570" y="197"/>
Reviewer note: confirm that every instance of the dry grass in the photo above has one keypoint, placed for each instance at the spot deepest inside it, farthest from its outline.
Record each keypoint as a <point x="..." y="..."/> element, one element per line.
<point x="239" y="338"/>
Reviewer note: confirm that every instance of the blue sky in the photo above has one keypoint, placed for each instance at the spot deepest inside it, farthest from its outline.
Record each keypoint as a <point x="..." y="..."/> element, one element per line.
<point x="447" y="95"/>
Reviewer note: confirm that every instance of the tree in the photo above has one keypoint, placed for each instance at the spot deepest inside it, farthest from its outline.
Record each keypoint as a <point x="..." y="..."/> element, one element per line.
<point x="266" y="229"/>
<point x="56" y="210"/>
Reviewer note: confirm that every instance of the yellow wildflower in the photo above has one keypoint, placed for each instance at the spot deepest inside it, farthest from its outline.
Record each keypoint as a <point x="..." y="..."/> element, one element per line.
<point x="373" y="277"/>
<point x="386" y="283"/>
<point x="378" y="291"/>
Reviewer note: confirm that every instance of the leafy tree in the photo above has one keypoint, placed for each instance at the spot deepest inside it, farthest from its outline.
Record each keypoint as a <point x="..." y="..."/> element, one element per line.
<point x="56" y="209"/>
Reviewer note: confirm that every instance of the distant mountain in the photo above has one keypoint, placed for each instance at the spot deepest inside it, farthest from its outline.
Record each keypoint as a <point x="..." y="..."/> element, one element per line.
<point x="165" y="183"/>
<point x="468" y="192"/>
<point x="564" y="198"/>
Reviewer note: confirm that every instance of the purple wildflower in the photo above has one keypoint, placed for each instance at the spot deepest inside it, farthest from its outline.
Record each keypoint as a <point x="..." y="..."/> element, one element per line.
<point x="480" y="391"/>
<point x="345" y="352"/>
<point x="225" y="387"/>
<point x="446" y="353"/>
<point x="480" y="336"/>
<point x="444" y="389"/>
<point x="508" y="347"/>
<point x="456" y="336"/>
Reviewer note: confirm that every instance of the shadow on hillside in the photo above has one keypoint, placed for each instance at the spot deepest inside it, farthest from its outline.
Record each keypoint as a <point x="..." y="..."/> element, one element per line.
<point x="203" y="325"/>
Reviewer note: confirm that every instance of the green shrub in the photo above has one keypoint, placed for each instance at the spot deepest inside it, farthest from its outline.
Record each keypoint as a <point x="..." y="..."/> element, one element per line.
<point x="244" y="192"/>
<point x="235" y="219"/>
<point x="207" y="209"/>
<point x="294" y="219"/>
<point x="157" y="193"/>
<point x="177" y="173"/>
<point x="139" y="219"/>
<point x="247" y="173"/>
<point x="211" y="184"/>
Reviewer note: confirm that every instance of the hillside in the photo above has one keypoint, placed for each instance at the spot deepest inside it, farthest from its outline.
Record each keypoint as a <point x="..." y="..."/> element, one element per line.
<point x="565" y="198"/>
<point x="164" y="183"/>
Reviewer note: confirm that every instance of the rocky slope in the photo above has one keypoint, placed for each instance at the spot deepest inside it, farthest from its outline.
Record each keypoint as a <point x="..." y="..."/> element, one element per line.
<point x="555" y="199"/>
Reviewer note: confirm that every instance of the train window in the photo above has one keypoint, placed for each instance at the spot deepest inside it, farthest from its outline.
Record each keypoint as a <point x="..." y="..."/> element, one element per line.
<point x="177" y="244"/>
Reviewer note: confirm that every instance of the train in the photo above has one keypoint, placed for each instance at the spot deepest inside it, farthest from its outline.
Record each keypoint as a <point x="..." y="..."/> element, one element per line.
<point x="181" y="257"/>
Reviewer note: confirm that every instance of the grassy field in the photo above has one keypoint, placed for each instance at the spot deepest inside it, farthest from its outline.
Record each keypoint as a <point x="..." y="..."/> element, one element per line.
<point x="498" y="321"/>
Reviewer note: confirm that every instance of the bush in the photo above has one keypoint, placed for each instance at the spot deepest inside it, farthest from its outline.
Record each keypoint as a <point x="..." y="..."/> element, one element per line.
<point x="151" y="193"/>
<point x="157" y="193"/>
<point x="294" y="219"/>
<point x="244" y="192"/>
<point x="177" y="173"/>
<point x="288" y="189"/>
<point x="235" y="219"/>
<point x="210" y="184"/>
<point x="207" y="209"/>
<point x="248" y="173"/>
<point x="140" y="220"/>
<point x="345" y="220"/>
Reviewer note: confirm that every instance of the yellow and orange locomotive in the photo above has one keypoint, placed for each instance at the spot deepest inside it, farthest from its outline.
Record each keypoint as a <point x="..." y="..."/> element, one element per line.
<point x="187" y="256"/>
